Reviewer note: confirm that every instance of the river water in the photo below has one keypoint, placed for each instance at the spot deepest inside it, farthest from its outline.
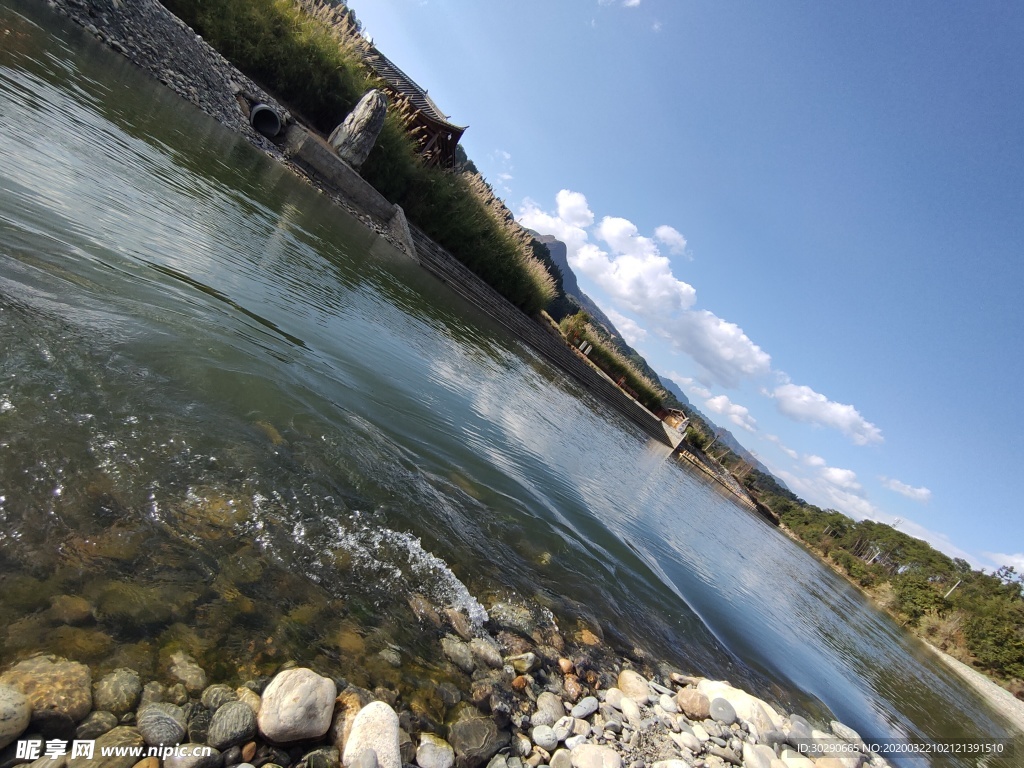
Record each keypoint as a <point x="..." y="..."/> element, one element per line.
<point x="236" y="422"/>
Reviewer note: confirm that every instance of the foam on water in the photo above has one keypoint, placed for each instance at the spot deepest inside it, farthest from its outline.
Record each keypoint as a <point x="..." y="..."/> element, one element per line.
<point x="400" y="561"/>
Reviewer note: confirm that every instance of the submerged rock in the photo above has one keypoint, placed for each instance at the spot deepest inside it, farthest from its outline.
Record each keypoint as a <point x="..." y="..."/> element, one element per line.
<point x="57" y="689"/>
<point x="476" y="740"/>
<point x="118" y="692"/>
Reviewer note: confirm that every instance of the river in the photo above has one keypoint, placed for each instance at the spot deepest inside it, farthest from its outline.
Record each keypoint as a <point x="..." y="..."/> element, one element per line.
<point x="237" y="422"/>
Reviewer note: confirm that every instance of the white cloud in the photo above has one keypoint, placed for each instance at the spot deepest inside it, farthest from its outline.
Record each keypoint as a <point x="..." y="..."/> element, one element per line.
<point x="917" y="494"/>
<point x="671" y="237"/>
<point x="656" y="26"/>
<point x="737" y="414"/>
<point x="722" y="350"/>
<point x="636" y="276"/>
<point x="802" y="403"/>
<point x="820" y="490"/>
<point x="842" y="478"/>
<point x="814" y="461"/>
<point x="629" y="328"/>
<point x="691" y="386"/>
<point x="630" y="3"/>
<point x="573" y="208"/>
<point x="639" y="279"/>
<point x="1016" y="561"/>
<point x="531" y="215"/>
<point x="782" y="446"/>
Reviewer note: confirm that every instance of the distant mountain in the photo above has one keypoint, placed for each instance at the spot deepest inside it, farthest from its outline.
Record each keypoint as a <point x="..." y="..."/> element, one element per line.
<point x="560" y="255"/>
<point x="673" y="388"/>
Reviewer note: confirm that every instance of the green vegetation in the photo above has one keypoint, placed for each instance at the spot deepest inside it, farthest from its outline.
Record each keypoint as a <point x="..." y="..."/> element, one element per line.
<point x="307" y="55"/>
<point x="578" y="328"/>
<point x="975" y="616"/>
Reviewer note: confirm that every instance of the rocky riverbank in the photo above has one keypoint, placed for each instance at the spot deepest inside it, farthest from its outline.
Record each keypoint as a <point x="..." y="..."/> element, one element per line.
<point x="157" y="41"/>
<point x="522" y="710"/>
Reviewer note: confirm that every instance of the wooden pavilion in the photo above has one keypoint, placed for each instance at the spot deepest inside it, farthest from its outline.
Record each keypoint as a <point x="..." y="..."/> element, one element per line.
<point x="437" y="137"/>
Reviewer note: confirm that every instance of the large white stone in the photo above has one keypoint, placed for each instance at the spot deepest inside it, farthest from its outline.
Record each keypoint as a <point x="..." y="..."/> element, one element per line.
<point x="297" y="705"/>
<point x="375" y="728"/>
<point x="595" y="756"/>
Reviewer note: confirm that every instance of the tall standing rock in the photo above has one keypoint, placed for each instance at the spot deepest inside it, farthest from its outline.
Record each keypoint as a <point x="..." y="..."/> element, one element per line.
<point x="355" y="137"/>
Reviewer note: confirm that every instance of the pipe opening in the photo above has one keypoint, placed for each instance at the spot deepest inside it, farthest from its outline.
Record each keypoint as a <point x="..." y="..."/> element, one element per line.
<point x="265" y="120"/>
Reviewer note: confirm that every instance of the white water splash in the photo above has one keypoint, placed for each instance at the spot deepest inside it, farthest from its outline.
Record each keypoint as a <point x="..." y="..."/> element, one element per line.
<point x="399" y="560"/>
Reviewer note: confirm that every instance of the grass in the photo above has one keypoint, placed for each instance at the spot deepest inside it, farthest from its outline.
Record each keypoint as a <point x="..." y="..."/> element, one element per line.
<point x="576" y="329"/>
<point x="307" y="53"/>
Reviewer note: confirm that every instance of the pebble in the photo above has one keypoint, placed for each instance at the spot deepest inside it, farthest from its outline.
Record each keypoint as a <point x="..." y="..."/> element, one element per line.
<point x="15" y="714"/>
<point x="152" y="692"/>
<point x="194" y="757"/>
<point x="585" y="708"/>
<point x="458" y="653"/>
<point x="434" y="752"/>
<point x="234" y="723"/>
<point x="757" y="756"/>
<point x="613" y="697"/>
<point x="375" y="728"/>
<point x="634" y="686"/>
<point x="667" y="703"/>
<point x="523" y="662"/>
<point x="549" y="709"/>
<point x="485" y="652"/>
<point x="162" y="723"/>
<point x="297" y="705"/>
<point x="722" y="711"/>
<point x="694" y="704"/>
<point x="544" y="736"/>
<point x="117" y="692"/>
<point x="476" y="740"/>
<point x="631" y="710"/>
<point x="250" y="697"/>
<point x="95" y="725"/>
<point x="561" y="759"/>
<point x="215" y="696"/>
<point x="184" y="669"/>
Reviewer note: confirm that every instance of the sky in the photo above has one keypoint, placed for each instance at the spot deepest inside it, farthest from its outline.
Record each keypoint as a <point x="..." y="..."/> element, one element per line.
<point x="810" y="216"/>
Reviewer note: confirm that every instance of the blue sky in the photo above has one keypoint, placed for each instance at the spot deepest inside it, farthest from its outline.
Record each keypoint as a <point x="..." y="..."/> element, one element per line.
<point x="809" y="215"/>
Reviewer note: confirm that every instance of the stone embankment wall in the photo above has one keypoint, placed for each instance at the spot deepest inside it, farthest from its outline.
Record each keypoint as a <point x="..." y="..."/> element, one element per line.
<point x="463" y="281"/>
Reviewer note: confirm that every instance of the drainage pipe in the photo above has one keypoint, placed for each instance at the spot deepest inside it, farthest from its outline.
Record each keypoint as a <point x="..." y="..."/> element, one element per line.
<point x="265" y="120"/>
